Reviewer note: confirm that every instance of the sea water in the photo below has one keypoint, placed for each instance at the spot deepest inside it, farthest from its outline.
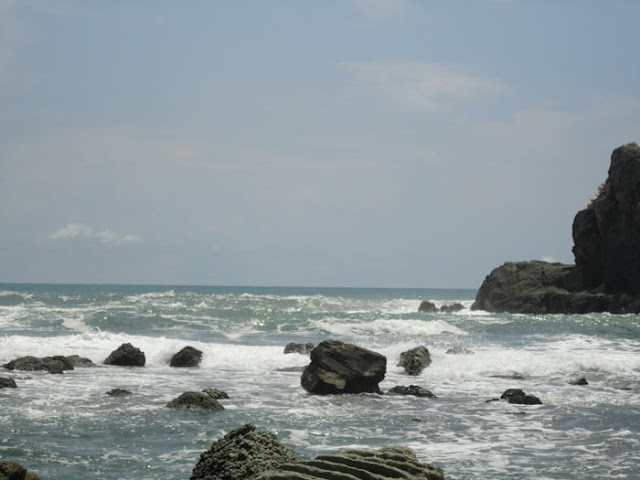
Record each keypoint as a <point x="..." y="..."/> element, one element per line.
<point x="66" y="427"/>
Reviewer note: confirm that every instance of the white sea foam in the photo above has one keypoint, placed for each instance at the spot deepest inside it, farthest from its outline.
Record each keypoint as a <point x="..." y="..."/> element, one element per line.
<point x="387" y="327"/>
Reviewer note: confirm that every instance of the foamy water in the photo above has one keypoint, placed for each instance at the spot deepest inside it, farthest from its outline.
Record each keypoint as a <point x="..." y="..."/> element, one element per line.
<point x="64" y="426"/>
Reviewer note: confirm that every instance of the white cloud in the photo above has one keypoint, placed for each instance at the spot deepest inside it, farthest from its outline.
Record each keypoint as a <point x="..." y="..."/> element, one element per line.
<point x="106" y="237"/>
<point x="422" y="85"/>
<point x="377" y="10"/>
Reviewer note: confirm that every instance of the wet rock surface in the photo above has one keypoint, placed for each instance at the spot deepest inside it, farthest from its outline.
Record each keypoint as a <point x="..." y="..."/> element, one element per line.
<point x="126" y="355"/>
<point x="415" y="360"/>
<point x="196" y="401"/>
<point x="413" y="390"/>
<point x="188" y="357"/>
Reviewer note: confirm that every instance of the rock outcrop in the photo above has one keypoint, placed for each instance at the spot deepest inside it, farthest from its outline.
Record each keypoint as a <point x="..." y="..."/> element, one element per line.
<point x="386" y="463"/>
<point x="118" y="392"/>
<point x="55" y="364"/>
<point x="126" y="355"/>
<point x="338" y="367"/>
<point x="606" y="275"/>
<point x="427" y="307"/>
<point x="244" y="453"/>
<point x="248" y="453"/>
<point x="415" y="360"/>
<point x="515" y="395"/>
<point x="186" y="358"/>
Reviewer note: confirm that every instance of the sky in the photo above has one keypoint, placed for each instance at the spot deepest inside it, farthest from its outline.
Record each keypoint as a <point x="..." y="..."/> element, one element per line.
<point x="338" y="143"/>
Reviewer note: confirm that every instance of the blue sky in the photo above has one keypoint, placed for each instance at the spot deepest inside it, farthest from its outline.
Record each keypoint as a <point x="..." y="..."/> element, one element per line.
<point x="389" y="143"/>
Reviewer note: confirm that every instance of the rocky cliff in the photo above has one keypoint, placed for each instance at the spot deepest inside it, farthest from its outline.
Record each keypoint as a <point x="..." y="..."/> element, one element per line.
<point x="606" y="275"/>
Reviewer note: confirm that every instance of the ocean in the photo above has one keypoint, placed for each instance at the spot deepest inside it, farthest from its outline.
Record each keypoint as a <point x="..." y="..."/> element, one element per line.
<point x="66" y="427"/>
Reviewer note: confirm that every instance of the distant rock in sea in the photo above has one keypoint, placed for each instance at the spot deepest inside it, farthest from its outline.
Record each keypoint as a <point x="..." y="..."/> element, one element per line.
<point x="196" y="401"/>
<point x="606" y="275"/>
<point x="301" y="348"/>
<point x="6" y="382"/>
<point x="187" y="357"/>
<point x="415" y="360"/>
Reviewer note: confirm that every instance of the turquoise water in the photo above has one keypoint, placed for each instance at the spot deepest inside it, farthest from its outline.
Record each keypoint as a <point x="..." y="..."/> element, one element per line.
<point x="65" y="427"/>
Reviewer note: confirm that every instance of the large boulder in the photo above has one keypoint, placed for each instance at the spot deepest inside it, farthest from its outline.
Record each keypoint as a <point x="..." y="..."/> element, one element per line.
<point x="126" y="355"/>
<point x="427" y="307"/>
<point x="415" y="360"/>
<point x="187" y="357"/>
<point x="244" y="453"/>
<point x="606" y="275"/>
<point x="338" y="367"/>
<point x="386" y="463"/>
<point x="15" y="471"/>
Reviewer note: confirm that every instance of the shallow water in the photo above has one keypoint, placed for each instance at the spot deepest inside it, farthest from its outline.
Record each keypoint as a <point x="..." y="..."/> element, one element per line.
<point x="65" y="427"/>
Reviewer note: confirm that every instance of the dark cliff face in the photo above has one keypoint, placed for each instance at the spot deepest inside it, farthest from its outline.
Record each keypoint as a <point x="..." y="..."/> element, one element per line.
<point x="606" y="234"/>
<point x="606" y="276"/>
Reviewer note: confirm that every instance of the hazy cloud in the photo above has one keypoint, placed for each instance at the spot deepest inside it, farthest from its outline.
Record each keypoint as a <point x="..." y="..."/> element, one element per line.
<point x="107" y="237"/>
<point x="422" y="85"/>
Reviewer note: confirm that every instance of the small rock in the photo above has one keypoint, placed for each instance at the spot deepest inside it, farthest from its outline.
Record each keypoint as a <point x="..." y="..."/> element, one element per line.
<point x="459" y="351"/>
<point x="126" y="355"/>
<point x="118" y="392"/>
<point x="55" y="364"/>
<point x="427" y="307"/>
<point x="301" y="348"/>
<point x="415" y="360"/>
<point x="515" y="395"/>
<point x="6" y="382"/>
<point x="196" y="401"/>
<point x="187" y="357"/>
<point x="414" y="390"/>
<point x="580" y="381"/>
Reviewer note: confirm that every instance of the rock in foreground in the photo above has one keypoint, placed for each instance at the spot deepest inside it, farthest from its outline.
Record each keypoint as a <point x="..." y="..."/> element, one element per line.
<point x="15" y="471"/>
<point x="338" y="367"/>
<point x="244" y="453"/>
<point x="606" y="237"/>
<point x="387" y="463"/>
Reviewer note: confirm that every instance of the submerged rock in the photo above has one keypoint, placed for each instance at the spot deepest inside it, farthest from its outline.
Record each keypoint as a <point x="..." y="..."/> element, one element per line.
<point x="606" y="275"/>
<point x="6" y="382"/>
<point x="15" y="471"/>
<point x="244" y="453"/>
<point x="126" y="355"/>
<point x="338" y="367"/>
<point x="579" y="381"/>
<point x="413" y="390"/>
<point x="515" y="395"/>
<point x="187" y="357"/>
<point x="118" y="392"/>
<point x="415" y="360"/>
<point x="459" y="351"/>
<point x="386" y="463"/>
<point x="301" y="348"/>
<point x="196" y="401"/>
<point x="427" y="307"/>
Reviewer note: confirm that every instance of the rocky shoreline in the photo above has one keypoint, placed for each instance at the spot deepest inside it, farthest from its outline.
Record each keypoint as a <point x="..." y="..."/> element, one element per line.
<point x="335" y="368"/>
<point x="606" y="274"/>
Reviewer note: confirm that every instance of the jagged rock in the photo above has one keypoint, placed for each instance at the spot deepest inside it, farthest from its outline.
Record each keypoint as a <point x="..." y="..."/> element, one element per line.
<point x="15" y="471"/>
<point x="338" y="367"/>
<point x="459" y="351"/>
<point x="387" y="463"/>
<point x="196" y="401"/>
<point x="301" y="348"/>
<point x="126" y="355"/>
<point x="414" y="390"/>
<point x="244" y="453"/>
<point x="55" y="364"/>
<point x="454" y="307"/>
<point x="415" y="360"/>
<point x="6" y="382"/>
<point x="606" y="276"/>
<point x="427" y="306"/>
<point x="515" y="395"/>
<point x="187" y="357"/>
<point x="215" y="393"/>
<point x="118" y="392"/>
